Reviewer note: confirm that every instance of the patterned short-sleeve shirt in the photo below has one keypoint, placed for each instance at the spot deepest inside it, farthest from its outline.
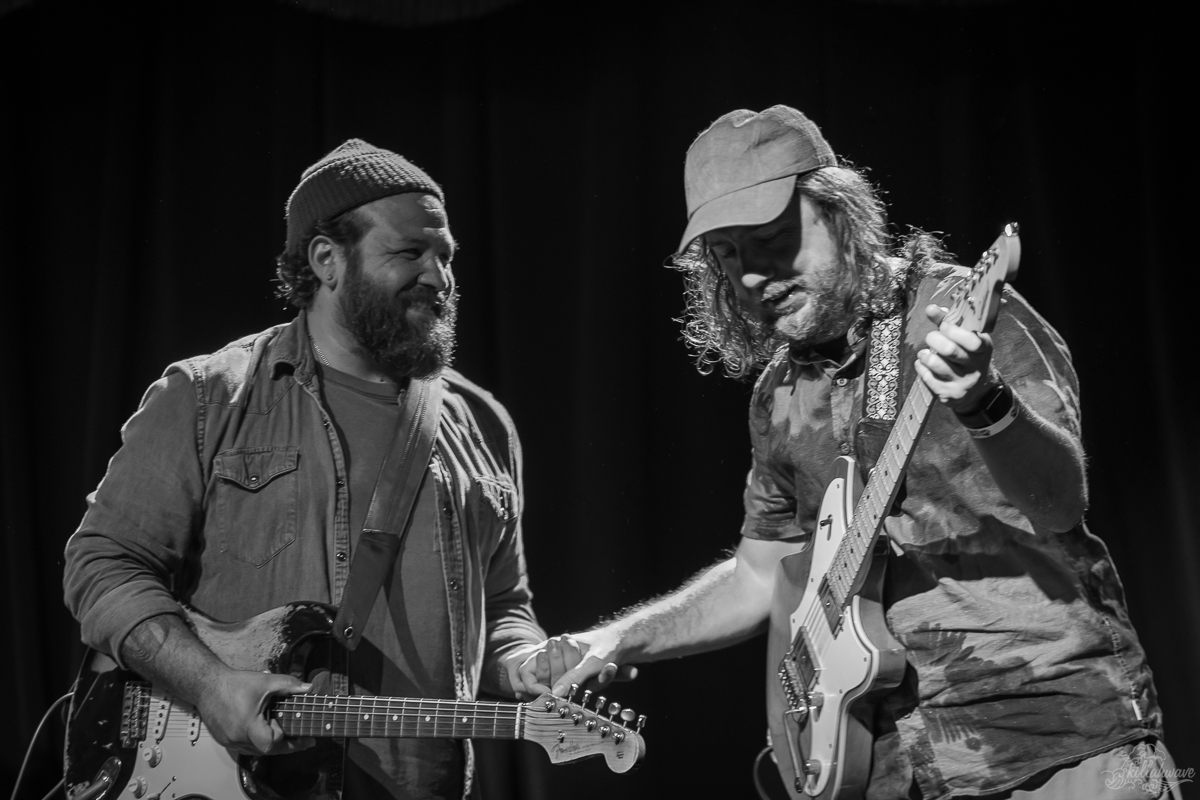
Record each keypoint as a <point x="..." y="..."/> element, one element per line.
<point x="1020" y="651"/>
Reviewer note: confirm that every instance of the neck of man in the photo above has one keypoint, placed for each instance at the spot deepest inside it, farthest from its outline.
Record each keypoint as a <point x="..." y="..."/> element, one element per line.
<point x="335" y="347"/>
<point x="836" y="350"/>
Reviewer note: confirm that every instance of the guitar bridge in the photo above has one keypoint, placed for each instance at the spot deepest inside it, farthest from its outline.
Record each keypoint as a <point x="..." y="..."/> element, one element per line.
<point x="797" y="673"/>
<point x="135" y="713"/>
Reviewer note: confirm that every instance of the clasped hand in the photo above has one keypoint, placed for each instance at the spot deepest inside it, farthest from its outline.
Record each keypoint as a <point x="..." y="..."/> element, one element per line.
<point x="560" y="661"/>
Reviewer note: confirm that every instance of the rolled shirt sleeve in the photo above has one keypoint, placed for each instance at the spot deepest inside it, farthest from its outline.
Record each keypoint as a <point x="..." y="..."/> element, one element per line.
<point x="137" y="531"/>
<point x="508" y="603"/>
<point x="769" y="498"/>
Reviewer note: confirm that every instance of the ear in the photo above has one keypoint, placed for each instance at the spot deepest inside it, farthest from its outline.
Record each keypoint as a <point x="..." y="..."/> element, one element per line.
<point x="325" y="260"/>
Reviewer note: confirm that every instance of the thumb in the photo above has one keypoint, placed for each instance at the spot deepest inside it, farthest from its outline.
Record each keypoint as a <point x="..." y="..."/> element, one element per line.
<point x="592" y="668"/>
<point x="287" y="684"/>
<point x="625" y="672"/>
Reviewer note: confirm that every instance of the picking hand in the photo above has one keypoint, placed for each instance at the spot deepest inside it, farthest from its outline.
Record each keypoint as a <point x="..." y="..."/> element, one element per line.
<point x="955" y="363"/>
<point x="234" y="709"/>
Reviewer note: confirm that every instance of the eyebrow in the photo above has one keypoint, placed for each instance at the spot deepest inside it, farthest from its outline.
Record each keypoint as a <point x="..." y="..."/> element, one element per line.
<point x="449" y="240"/>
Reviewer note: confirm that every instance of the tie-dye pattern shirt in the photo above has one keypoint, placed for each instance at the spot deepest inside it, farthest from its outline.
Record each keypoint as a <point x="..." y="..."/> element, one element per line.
<point x="1021" y="655"/>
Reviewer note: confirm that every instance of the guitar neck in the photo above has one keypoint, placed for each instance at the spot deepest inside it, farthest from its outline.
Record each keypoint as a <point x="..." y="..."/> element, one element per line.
<point x="851" y="559"/>
<point x="341" y="716"/>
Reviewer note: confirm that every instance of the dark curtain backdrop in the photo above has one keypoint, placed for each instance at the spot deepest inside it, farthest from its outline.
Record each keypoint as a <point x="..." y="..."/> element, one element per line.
<point x="147" y="149"/>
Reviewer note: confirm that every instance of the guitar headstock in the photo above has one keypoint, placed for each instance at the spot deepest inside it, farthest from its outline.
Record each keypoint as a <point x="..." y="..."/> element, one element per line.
<point x="570" y="731"/>
<point x="977" y="302"/>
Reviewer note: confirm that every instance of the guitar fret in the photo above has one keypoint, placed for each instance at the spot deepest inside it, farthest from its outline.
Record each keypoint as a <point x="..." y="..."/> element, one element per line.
<point x="877" y="497"/>
<point x="362" y="716"/>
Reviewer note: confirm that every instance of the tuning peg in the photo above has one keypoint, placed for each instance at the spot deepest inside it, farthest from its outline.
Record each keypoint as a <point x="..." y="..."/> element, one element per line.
<point x="640" y="722"/>
<point x="600" y="703"/>
<point x="613" y="710"/>
<point x="587" y="693"/>
<point x="574" y="690"/>
<point x="627" y="716"/>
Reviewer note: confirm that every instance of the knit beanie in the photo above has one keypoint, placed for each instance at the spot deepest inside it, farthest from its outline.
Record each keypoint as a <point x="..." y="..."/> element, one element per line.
<point x="352" y="174"/>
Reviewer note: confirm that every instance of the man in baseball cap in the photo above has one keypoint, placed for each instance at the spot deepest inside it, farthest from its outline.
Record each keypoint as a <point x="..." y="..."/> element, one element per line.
<point x="250" y="480"/>
<point x="997" y="659"/>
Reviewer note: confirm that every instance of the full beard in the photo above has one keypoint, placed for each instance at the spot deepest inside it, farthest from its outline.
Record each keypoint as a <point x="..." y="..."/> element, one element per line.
<point x="404" y="346"/>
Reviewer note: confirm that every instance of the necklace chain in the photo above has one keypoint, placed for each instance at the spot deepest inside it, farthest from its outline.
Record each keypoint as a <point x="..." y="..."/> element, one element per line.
<point x="317" y="350"/>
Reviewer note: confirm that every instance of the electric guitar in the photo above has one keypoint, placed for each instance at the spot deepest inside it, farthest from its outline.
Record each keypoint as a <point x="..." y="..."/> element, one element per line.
<point x="128" y="739"/>
<point x="829" y="647"/>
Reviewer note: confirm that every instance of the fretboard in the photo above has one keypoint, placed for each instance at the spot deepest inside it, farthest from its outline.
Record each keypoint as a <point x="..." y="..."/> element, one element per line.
<point x="336" y="715"/>
<point x="851" y="558"/>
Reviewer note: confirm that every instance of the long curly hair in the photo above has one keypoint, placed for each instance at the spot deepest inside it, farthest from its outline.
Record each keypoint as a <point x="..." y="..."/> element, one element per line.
<point x="719" y="331"/>
<point x="298" y="283"/>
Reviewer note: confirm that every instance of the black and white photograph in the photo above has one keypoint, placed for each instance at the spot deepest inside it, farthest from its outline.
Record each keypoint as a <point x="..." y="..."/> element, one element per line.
<point x="528" y="399"/>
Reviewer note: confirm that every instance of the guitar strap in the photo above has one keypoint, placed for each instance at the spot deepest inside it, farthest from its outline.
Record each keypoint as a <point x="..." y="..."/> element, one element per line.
<point x="886" y="379"/>
<point x="388" y="517"/>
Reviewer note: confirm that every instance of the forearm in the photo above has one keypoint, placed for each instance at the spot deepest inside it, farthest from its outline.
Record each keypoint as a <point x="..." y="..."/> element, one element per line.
<point x="165" y="650"/>
<point x="231" y="702"/>
<point x="721" y="606"/>
<point x="1039" y="468"/>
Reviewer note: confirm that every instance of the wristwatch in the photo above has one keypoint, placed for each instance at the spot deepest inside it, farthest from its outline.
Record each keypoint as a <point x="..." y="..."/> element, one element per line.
<point x="996" y="406"/>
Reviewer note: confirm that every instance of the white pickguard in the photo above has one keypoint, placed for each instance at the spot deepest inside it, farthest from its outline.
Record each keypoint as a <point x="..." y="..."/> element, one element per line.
<point x="846" y="664"/>
<point x="188" y="762"/>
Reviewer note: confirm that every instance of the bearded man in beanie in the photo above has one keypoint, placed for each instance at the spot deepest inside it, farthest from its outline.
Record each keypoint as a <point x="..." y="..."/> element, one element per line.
<point x="1014" y="669"/>
<point x="264" y="474"/>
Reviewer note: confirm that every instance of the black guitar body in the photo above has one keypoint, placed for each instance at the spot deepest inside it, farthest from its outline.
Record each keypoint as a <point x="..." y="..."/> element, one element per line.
<point x="112" y="709"/>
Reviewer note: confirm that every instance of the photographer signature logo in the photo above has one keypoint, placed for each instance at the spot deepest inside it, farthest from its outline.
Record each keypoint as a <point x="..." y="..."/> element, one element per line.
<point x="1146" y="768"/>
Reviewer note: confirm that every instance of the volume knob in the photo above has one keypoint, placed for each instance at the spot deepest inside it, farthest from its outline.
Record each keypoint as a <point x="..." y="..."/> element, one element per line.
<point x="152" y="754"/>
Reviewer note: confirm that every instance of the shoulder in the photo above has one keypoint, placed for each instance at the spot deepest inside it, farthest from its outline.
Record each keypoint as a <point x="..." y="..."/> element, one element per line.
<point x="225" y="375"/>
<point x="468" y="404"/>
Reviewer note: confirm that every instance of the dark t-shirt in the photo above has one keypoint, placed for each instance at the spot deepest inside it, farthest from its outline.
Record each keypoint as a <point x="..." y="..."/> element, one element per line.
<point x="405" y="651"/>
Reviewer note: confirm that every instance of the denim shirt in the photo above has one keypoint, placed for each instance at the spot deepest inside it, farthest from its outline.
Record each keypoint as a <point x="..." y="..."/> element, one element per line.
<point x="230" y="494"/>
<point x="1021" y="654"/>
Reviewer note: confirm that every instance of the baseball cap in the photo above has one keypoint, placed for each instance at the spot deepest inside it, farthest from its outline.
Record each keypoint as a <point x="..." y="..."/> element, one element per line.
<point x="742" y="169"/>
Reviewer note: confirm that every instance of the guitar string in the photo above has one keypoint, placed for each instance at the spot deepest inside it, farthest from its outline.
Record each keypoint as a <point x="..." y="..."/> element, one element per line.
<point x="842" y="570"/>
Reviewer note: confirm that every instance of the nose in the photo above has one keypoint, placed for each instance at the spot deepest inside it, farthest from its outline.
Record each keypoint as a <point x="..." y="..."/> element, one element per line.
<point x="436" y="273"/>
<point x="756" y="266"/>
<point x="752" y="280"/>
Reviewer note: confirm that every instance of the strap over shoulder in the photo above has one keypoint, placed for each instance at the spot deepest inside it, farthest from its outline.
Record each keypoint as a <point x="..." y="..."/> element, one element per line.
<point x="390" y="513"/>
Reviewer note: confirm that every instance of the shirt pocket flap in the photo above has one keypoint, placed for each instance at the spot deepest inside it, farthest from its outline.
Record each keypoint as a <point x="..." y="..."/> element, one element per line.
<point x="500" y="494"/>
<point x="254" y="467"/>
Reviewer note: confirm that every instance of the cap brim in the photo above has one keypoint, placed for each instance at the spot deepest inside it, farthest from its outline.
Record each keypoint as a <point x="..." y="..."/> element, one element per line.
<point x="753" y="205"/>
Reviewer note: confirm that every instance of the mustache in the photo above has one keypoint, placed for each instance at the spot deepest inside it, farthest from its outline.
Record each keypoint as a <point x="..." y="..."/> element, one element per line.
<point x="422" y="295"/>
<point x="779" y="289"/>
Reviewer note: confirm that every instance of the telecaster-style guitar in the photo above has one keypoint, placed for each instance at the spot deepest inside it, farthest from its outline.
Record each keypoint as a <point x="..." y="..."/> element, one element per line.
<point x="128" y="739"/>
<point x="829" y="647"/>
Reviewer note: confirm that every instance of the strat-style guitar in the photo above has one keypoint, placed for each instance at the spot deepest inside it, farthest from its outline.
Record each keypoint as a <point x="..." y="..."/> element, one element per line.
<point x="127" y="738"/>
<point x="829" y="647"/>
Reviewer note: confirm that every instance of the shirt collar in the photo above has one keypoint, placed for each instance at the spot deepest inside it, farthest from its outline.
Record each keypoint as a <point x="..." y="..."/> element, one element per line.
<point x="290" y="351"/>
<point x="806" y="356"/>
